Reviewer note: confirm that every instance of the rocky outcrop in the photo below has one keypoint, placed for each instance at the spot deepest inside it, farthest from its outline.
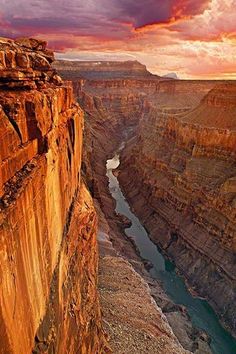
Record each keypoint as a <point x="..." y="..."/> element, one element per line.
<point x="184" y="191"/>
<point x="48" y="253"/>
<point x="26" y="63"/>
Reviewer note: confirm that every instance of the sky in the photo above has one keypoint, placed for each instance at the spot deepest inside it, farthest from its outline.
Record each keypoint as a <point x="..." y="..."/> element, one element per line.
<point x="193" y="38"/>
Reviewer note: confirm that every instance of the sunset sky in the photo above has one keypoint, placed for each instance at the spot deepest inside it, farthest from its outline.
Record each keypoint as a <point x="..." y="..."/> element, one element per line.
<point x="194" y="38"/>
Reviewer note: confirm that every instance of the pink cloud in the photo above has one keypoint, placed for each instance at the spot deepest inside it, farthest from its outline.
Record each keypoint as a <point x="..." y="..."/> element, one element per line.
<point x="195" y="38"/>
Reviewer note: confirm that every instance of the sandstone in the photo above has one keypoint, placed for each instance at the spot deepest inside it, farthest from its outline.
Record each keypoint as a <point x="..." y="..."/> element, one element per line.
<point x="22" y="60"/>
<point x="48" y="224"/>
<point x="24" y="63"/>
<point x="32" y="43"/>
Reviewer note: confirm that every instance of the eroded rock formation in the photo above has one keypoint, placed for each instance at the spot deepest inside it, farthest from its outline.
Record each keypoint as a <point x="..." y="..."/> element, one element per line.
<point x="184" y="191"/>
<point x="48" y="251"/>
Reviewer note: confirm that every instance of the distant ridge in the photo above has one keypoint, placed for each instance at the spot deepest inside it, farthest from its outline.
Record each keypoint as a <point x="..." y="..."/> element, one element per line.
<point x="171" y="76"/>
<point x="103" y="69"/>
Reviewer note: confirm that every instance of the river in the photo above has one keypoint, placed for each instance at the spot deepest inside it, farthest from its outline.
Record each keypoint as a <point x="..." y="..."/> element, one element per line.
<point x="201" y="313"/>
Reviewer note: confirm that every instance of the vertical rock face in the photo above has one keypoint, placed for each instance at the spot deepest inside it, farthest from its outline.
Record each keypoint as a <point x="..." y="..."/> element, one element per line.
<point x="48" y="251"/>
<point x="185" y="170"/>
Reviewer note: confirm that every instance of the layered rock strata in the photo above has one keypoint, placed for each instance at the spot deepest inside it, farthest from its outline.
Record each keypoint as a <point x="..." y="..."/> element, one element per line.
<point x="184" y="192"/>
<point x="110" y="80"/>
<point x="48" y="252"/>
<point x="112" y="111"/>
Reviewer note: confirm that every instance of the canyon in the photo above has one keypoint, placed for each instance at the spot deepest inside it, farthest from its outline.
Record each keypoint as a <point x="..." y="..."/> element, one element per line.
<point x="177" y="173"/>
<point x="55" y="204"/>
<point x="186" y="192"/>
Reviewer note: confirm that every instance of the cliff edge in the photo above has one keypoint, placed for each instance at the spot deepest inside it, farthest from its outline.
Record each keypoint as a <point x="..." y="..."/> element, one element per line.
<point x="48" y="224"/>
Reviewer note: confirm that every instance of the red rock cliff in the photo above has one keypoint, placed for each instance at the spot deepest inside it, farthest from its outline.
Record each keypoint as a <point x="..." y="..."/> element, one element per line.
<point x="48" y="251"/>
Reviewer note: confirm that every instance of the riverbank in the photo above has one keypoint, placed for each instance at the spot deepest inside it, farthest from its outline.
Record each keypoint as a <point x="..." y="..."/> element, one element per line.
<point x="130" y="316"/>
<point x="117" y="243"/>
<point x="132" y="320"/>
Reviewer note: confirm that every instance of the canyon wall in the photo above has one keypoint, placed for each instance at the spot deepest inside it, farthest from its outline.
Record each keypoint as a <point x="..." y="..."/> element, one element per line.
<point x="113" y="109"/>
<point x="48" y="224"/>
<point x="114" y="106"/>
<point x="184" y="191"/>
<point x="130" y="80"/>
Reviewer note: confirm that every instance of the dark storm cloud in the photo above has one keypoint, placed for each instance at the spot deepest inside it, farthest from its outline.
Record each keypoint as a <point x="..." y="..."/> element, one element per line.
<point x="98" y="18"/>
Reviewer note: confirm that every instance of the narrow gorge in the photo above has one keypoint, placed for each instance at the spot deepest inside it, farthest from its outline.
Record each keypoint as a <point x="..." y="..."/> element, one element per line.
<point x="177" y="172"/>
